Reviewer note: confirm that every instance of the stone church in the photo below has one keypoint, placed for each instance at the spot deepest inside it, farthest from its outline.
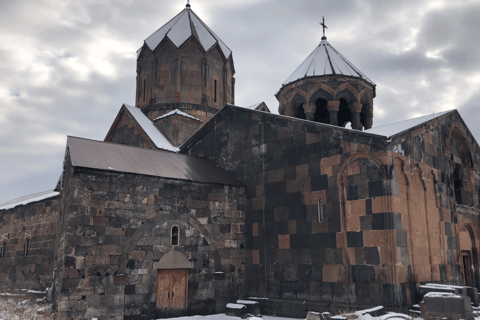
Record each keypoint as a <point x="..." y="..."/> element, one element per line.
<point x="191" y="202"/>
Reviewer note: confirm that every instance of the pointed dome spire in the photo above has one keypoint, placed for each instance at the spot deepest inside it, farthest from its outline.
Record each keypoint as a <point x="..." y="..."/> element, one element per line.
<point x="183" y="26"/>
<point x="325" y="60"/>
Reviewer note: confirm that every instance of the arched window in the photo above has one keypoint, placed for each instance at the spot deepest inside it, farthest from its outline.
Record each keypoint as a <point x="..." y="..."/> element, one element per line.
<point x="321" y="112"/>
<point x="175" y="236"/>
<point x="2" y="254"/>
<point x="301" y="112"/>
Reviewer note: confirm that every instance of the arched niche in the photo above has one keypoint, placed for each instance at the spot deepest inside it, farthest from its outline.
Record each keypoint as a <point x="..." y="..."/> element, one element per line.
<point x="461" y="166"/>
<point x="344" y="115"/>
<point x="469" y="255"/>
<point x="173" y="260"/>
<point x="297" y="105"/>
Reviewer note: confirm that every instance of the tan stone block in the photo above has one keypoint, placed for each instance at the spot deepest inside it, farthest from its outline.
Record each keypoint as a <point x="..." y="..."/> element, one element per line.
<point x="112" y="250"/>
<point x="114" y="231"/>
<point x="104" y="259"/>
<point x="401" y="274"/>
<point x="79" y="262"/>
<point x="284" y="133"/>
<point x="379" y="204"/>
<point x="327" y="170"/>
<point x="356" y="208"/>
<point x="149" y="214"/>
<point x="257" y="203"/>
<point x="275" y="176"/>
<point x="90" y="260"/>
<point x="352" y="223"/>
<point x="72" y="273"/>
<point x="354" y="168"/>
<point x="298" y="185"/>
<point x="311" y="198"/>
<point x="253" y="130"/>
<point x="283" y="241"/>
<point x="255" y="229"/>
<point x="428" y="137"/>
<point x="339" y="238"/>
<point x="335" y="273"/>
<point x="350" y="255"/>
<point x="151" y="199"/>
<point x="363" y="148"/>
<point x="380" y="273"/>
<point x="311" y="138"/>
<point x="255" y="257"/>
<point x="302" y="171"/>
<point x="100" y="221"/>
<point x="137" y="255"/>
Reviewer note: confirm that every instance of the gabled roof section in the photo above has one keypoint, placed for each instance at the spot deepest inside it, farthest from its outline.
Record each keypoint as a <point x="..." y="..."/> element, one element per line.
<point x="325" y="60"/>
<point x="145" y="124"/>
<point x="262" y="106"/>
<point x="178" y="112"/>
<point x="184" y="25"/>
<point x="120" y="158"/>
<point x="28" y="199"/>
<point x="395" y="128"/>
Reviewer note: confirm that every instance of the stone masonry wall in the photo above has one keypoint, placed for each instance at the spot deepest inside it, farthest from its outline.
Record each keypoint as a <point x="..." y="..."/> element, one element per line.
<point x="36" y="223"/>
<point x="117" y="229"/>
<point x="177" y="128"/>
<point x="387" y="225"/>
<point x="126" y="132"/>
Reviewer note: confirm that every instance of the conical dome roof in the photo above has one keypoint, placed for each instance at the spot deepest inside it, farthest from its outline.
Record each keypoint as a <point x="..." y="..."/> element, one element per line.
<point x="325" y="60"/>
<point x="183" y="26"/>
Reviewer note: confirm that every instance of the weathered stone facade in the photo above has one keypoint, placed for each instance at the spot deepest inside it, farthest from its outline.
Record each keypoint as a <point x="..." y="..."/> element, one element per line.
<point x="116" y="229"/>
<point x="27" y="245"/>
<point x="389" y="215"/>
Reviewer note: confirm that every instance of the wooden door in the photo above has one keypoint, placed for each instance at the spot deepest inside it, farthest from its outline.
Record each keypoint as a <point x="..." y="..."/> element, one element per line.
<point x="172" y="292"/>
<point x="467" y="268"/>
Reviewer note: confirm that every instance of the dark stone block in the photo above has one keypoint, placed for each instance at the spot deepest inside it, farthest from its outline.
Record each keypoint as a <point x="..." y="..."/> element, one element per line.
<point x="451" y="243"/>
<point x="130" y="289"/>
<point x="368" y="206"/>
<point x="376" y="189"/>
<point x="362" y="274"/>
<point x="131" y="264"/>
<point x="386" y="221"/>
<point x="319" y="182"/>
<point x="401" y="237"/>
<point x="359" y="256"/>
<point x="352" y="193"/>
<point x="69" y="262"/>
<point x="366" y="222"/>
<point x="338" y="255"/>
<point x="324" y="240"/>
<point x="354" y="239"/>
<point x="275" y="188"/>
<point x="334" y="225"/>
<point x="372" y="256"/>
<point x="299" y="241"/>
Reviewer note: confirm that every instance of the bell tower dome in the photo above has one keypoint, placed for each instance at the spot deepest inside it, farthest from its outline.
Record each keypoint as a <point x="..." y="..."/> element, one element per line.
<point x="185" y="66"/>
<point x="328" y="88"/>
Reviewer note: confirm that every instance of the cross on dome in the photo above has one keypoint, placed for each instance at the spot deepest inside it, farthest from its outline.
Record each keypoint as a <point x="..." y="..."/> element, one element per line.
<point x="324" y="27"/>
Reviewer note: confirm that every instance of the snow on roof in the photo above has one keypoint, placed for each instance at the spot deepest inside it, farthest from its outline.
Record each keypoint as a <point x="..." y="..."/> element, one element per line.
<point x="176" y="111"/>
<point x="326" y="60"/>
<point x="147" y="125"/>
<point x="392" y="129"/>
<point x="28" y="199"/>
<point x="254" y="106"/>
<point x="183" y="26"/>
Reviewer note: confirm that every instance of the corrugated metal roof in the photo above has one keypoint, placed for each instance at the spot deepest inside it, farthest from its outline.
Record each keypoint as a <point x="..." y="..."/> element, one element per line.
<point x="326" y="60"/>
<point x="28" y="199"/>
<point x="120" y="158"/>
<point x="147" y="125"/>
<point x="183" y="26"/>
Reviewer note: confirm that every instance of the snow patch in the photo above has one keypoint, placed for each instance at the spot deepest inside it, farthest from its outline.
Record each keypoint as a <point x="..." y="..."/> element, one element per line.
<point x="442" y="295"/>
<point x="28" y="199"/>
<point x="176" y="111"/>
<point x="235" y="306"/>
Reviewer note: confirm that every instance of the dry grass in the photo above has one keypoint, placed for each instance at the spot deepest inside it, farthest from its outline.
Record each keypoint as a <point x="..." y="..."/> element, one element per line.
<point x="21" y="308"/>
<point x="349" y="314"/>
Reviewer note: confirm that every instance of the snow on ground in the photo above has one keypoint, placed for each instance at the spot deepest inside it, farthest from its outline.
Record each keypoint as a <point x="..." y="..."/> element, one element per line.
<point x="17" y="307"/>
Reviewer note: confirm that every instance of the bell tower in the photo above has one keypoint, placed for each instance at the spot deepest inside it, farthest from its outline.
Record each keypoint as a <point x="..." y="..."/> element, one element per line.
<point x="328" y="88"/>
<point x="185" y="66"/>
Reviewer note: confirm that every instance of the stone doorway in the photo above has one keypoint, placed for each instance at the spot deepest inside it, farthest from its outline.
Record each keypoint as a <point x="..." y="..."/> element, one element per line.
<point x="172" y="292"/>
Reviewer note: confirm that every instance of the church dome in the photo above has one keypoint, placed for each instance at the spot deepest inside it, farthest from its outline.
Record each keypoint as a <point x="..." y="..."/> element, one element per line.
<point x="184" y="25"/>
<point x="323" y="61"/>
<point x="328" y="88"/>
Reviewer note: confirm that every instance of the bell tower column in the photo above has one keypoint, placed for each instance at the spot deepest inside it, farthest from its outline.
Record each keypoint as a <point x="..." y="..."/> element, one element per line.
<point x="333" y="107"/>
<point x="369" y="119"/>
<point x="355" y="109"/>
<point x="309" y="109"/>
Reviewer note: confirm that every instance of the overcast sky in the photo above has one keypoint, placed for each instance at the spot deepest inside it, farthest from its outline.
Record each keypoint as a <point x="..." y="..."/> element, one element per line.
<point x="67" y="66"/>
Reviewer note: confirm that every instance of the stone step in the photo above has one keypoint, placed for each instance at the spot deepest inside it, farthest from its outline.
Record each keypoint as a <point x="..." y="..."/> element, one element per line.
<point x="253" y="307"/>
